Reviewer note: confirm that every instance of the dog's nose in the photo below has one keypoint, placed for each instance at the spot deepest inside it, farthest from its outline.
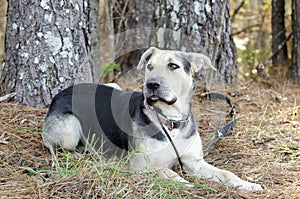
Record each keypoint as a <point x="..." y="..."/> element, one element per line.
<point x="153" y="85"/>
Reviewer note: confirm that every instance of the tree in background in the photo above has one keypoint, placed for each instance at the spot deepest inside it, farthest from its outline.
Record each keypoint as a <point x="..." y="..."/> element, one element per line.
<point x="132" y="23"/>
<point x="279" y="47"/>
<point x="296" y="41"/>
<point x="198" y="26"/>
<point x="188" y="25"/>
<point x="49" y="45"/>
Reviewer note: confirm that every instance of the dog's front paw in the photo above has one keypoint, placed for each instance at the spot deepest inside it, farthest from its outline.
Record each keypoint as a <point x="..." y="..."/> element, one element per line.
<point x="248" y="186"/>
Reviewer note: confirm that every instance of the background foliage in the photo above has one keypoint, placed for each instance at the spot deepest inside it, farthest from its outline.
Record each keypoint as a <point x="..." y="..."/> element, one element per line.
<point x="251" y="29"/>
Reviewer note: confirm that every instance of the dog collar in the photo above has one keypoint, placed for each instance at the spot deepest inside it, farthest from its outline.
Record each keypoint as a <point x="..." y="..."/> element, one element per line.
<point x="175" y="124"/>
<point x="169" y="123"/>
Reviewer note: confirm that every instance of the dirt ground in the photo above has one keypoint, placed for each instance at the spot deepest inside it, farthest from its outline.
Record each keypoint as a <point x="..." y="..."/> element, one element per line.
<point x="264" y="147"/>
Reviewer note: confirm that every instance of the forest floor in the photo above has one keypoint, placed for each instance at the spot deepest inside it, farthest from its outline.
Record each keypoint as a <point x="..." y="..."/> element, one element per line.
<point x="264" y="148"/>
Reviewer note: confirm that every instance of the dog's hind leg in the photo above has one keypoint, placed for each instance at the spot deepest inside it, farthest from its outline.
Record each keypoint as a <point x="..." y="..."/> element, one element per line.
<point x="54" y="157"/>
<point x="61" y="130"/>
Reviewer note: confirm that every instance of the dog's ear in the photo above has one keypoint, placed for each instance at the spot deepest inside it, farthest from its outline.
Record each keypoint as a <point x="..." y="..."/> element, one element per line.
<point x="199" y="61"/>
<point x="145" y="57"/>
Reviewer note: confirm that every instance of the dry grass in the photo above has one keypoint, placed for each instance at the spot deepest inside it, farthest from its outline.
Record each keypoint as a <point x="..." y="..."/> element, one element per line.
<point x="264" y="148"/>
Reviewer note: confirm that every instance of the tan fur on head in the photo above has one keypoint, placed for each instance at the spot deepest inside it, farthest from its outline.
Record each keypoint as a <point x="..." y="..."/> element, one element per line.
<point x="198" y="61"/>
<point x="157" y="64"/>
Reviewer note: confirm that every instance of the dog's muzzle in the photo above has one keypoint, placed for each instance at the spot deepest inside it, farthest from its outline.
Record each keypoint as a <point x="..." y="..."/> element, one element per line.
<point x="154" y="92"/>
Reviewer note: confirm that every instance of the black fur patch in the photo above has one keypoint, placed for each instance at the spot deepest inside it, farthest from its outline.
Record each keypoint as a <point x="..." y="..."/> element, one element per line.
<point x="185" y="62"/>
<point x="104" y="111"/>
<point x="192" y="130"/>
<point x="186" y="65"/>
<point x="141" y="119"/>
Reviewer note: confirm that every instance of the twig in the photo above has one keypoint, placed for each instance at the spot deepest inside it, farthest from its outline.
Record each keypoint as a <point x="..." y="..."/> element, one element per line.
<point x="237" y="10"/>
<point x="3" y="139"/>
<point x="245" y="29"/>
<point x="123" y="18"/>
<point x="8" y="96"/>
<point x="280" y="46"/>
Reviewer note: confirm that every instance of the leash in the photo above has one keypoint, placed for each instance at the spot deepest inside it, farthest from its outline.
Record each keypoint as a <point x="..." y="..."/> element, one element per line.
<point x="221" y="132"/>
<point x="229" y="126"/>
<point x="171" y="141"/>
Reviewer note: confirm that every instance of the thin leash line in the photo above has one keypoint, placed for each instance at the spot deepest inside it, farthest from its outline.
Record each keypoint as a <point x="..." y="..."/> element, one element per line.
<point x="171" y="141"/>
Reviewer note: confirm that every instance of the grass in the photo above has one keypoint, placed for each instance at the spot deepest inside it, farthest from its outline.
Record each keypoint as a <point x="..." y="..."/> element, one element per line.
<point x="41" y="172"/>
<point x="110" y="176"/>
<point x="262" y="120"/>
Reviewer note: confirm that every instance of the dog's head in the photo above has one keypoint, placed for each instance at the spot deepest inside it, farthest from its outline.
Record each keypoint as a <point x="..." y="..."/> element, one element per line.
<point x="168" y="81"/>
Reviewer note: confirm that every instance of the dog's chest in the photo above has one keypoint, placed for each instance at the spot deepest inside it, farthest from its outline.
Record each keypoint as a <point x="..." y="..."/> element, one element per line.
<point x="159" y="153"/>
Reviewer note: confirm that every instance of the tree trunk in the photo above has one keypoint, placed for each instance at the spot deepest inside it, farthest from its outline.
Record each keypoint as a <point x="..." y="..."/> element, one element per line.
<point x="296" y="41"/>
<point x="279" y="47"/>
<point x="49" y="45"/>
<point x="188" y="25"/>
<point x="107" y="38"/>
<point x="134" y="17"/>
<point x="199" y="26"/>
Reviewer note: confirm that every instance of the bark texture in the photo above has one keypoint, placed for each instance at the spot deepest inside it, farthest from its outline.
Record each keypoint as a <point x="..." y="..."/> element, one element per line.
<point x="296" y="41"/>
<point x="133" y="26"/>
<point x="188" y="25"/>
<point x="279" y="47"/>
<point x="199" y="26"/>
<point x="49" y="45"/>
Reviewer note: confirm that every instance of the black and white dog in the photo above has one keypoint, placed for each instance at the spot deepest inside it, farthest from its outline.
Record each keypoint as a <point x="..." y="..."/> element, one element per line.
<point x="107" y="119"/>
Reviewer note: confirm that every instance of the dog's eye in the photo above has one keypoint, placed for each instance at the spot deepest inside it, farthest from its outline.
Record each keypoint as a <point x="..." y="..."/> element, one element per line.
<point x="149" y="67"/>
<point x="172" y="66"/>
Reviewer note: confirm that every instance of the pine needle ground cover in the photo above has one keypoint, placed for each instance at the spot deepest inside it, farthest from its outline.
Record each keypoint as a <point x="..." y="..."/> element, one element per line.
<point x="264" y="147"/>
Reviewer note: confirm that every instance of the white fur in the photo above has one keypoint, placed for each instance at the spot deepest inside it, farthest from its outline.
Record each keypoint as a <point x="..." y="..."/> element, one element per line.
<point x="160" y="156"/>
<point x="114" y="85"/>
<point x="62" y="131"/>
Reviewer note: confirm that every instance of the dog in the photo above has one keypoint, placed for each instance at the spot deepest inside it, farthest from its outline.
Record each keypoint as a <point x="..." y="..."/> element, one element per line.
<point x="156" y="126"/>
